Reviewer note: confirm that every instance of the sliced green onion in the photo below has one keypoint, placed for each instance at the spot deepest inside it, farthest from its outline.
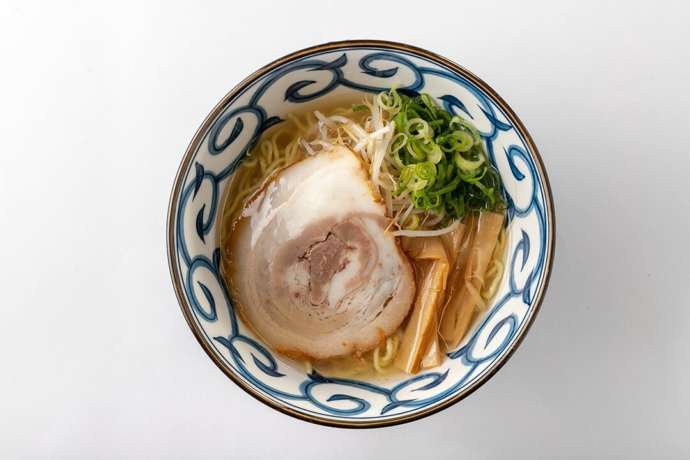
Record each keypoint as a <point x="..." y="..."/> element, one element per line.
<point x="426" y="170"/>
<point x="406" y="175"/>
<point x="398" y="142"/>
<point x="449" y="187"/>
<point x="457" y="122"/>
<point x="416" y="184"/>
<point x="390" y="101"/>
<point x="467" y="165"/>
<point x="441" y="162"/>
<point x="435" y="155"/>
<point x="419" y="129"/>
<point x="415" y="150"/>
<point x="412" y="222"/>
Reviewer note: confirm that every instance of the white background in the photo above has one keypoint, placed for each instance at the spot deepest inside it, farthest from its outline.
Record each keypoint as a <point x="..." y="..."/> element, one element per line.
<point x="97" y="105"/>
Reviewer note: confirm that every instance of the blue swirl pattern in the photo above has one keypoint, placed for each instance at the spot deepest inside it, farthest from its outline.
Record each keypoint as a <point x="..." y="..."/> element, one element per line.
<point x="234" y="133"/>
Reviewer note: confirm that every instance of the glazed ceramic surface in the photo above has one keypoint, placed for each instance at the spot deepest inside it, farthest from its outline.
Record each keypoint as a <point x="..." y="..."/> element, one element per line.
<point x="320" y="76"/>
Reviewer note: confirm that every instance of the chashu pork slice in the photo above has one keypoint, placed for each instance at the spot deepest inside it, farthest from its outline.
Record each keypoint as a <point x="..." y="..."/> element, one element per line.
<point x="311" y="266"/>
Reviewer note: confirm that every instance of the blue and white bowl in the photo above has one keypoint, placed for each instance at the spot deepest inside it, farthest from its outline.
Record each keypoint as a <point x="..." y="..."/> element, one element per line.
<point x="308" y="79"/>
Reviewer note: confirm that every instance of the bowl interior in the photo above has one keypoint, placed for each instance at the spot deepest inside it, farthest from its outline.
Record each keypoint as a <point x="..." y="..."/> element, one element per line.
<point x="307" y="80"/>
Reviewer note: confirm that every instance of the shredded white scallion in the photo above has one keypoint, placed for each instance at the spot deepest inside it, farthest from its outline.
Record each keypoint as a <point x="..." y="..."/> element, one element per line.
<point x="307" y="147"/>
<point x="340" y="119"/>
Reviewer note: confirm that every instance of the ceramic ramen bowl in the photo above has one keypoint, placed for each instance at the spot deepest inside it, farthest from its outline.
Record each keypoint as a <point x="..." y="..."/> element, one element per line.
<point x="306" y="80"/>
